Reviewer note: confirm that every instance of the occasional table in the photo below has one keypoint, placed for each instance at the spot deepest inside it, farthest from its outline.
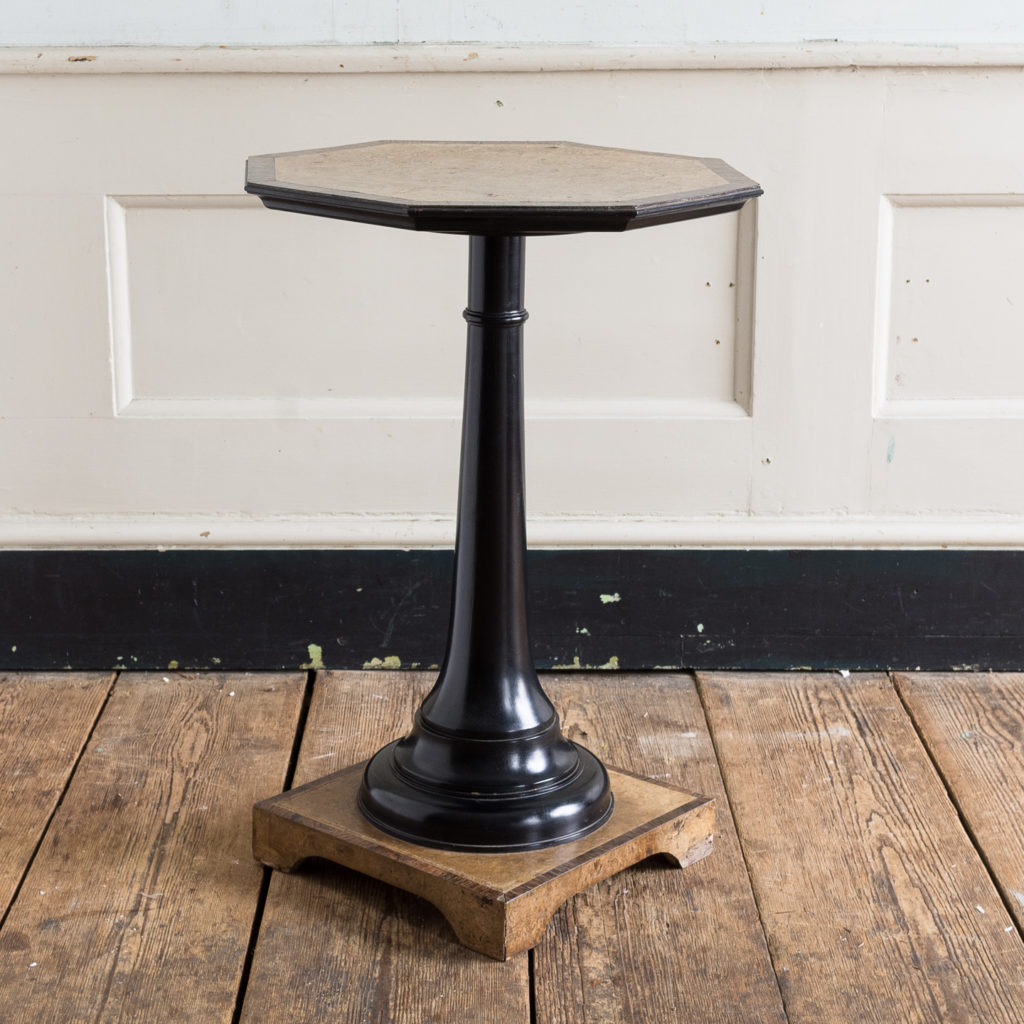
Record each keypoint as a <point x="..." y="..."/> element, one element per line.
<point x="485" y="808"/>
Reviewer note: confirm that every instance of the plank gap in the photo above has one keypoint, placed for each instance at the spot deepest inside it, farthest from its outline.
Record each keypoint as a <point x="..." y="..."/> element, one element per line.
<point x="872" y="895"/>
<point x="727" y="789"/>
<point x="300" y="728"/>
<point x="531" y="973"/>
<point x="57" y="804"/>
<point x="261" y="899"/>
<point x="654" y="943"/>
<point x="144" y="889"/>
<point x="965" y="823"/>
<point x="335" y="946"/>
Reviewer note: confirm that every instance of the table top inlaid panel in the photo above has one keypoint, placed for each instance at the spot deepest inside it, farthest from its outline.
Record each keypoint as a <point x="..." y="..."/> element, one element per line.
<point x="491" y="187"/>
<point x="497" y="174"/>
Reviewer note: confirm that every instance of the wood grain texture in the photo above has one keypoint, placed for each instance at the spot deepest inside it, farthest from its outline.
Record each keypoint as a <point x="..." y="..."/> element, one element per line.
<point x="973" y="724"/>
<point x="336" y="946"/>
<point x="496" y="173"/>
<point x="655" y="944"/>
<point x="139" y="904"/>
<point x="496" y="903"/>
<point x="44" y="723"/>
<point x="876" y="906"/>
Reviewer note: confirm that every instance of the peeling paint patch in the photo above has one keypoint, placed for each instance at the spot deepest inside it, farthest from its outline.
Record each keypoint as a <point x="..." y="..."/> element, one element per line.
<point x="172" y="665"/>
<point x="564" y="668"/>
<point x="316" y="657"/>
<point x="392" y="661"/>
<point x="583" y="631"/>
<point x="700" y="627"/>
<point x="216" y="661"/>
<point x="890" y="452"/>
<point x="612" y="664"/>
<point x="610" y="598"/>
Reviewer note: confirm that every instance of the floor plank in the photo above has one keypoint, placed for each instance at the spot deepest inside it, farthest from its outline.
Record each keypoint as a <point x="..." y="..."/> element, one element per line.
<point x="140" y="901"/>
<point x="973" y="724"/>
<point x="44" y="723"/>
<point x="336" y="946"/>
<point x="655" y="944"/>
<point x="875" y="903"/>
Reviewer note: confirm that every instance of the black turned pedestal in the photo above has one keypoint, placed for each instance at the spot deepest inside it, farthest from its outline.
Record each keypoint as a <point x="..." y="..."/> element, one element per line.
<point x="486" y="769"/>
<point x="486" y="766"/>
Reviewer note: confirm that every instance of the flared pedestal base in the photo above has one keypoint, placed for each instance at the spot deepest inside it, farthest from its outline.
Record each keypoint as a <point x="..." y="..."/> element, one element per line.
<point x="478" y="822"/>
<point x="497" y="903"/>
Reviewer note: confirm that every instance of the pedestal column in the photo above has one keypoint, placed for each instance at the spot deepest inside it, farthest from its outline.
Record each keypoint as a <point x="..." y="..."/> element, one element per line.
<point x="486" y="766"/>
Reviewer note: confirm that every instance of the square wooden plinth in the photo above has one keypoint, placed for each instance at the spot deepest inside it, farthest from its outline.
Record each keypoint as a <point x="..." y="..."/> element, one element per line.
<point x="496" y="903"/>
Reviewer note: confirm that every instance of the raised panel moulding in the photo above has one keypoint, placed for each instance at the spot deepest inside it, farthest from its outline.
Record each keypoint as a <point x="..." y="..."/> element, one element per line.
<point x="932" y="350"/>
<point x="135" y="253"/>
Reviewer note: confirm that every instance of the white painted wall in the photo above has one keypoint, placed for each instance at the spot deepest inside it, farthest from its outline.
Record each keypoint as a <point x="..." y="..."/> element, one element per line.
<point x="270" y="22"/>
<point x="842" y="365"/>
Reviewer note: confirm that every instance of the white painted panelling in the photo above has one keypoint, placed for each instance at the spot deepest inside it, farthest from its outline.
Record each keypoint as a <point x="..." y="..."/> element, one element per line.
<point x="200" y="283"/>
<point x="228" y="307"/>
<point x="389" y="531"/>
<point x="956" y="302"/>
<point x="674" y="340"/>
<point x="262" y="22"/>
<point x="946" y="143"/>
<point x="175" y="355"/>
<point x="54" y="327"/>
<point x="404" y="58"/>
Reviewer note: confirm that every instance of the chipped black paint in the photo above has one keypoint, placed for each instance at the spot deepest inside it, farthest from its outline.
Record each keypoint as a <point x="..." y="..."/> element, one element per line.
<point x="234" y="610"/>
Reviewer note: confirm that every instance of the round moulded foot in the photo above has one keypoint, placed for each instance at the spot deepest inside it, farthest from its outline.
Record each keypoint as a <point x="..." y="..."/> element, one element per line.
<point x="485" y="823"/>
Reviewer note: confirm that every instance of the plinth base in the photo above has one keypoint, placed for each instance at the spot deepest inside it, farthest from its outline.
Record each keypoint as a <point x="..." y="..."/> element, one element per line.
<point x="497" y="903"/>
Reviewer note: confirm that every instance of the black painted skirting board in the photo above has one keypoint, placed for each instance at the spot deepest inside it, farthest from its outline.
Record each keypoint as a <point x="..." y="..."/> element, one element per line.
<point x="628" y="609"/>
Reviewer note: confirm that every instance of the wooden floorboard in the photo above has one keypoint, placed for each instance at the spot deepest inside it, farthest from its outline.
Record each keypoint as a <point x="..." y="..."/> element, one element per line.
<point x="876" y="906"/>
<point x="44" y="723"/>
<point x="973" y="725"/>
<point x="337" y="947"/>
<point x="140" y="901"/>
<point x="655" y="944"/>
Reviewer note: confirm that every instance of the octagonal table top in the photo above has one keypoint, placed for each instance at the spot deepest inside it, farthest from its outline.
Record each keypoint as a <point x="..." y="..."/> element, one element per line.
<point x="524" y="188"/>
